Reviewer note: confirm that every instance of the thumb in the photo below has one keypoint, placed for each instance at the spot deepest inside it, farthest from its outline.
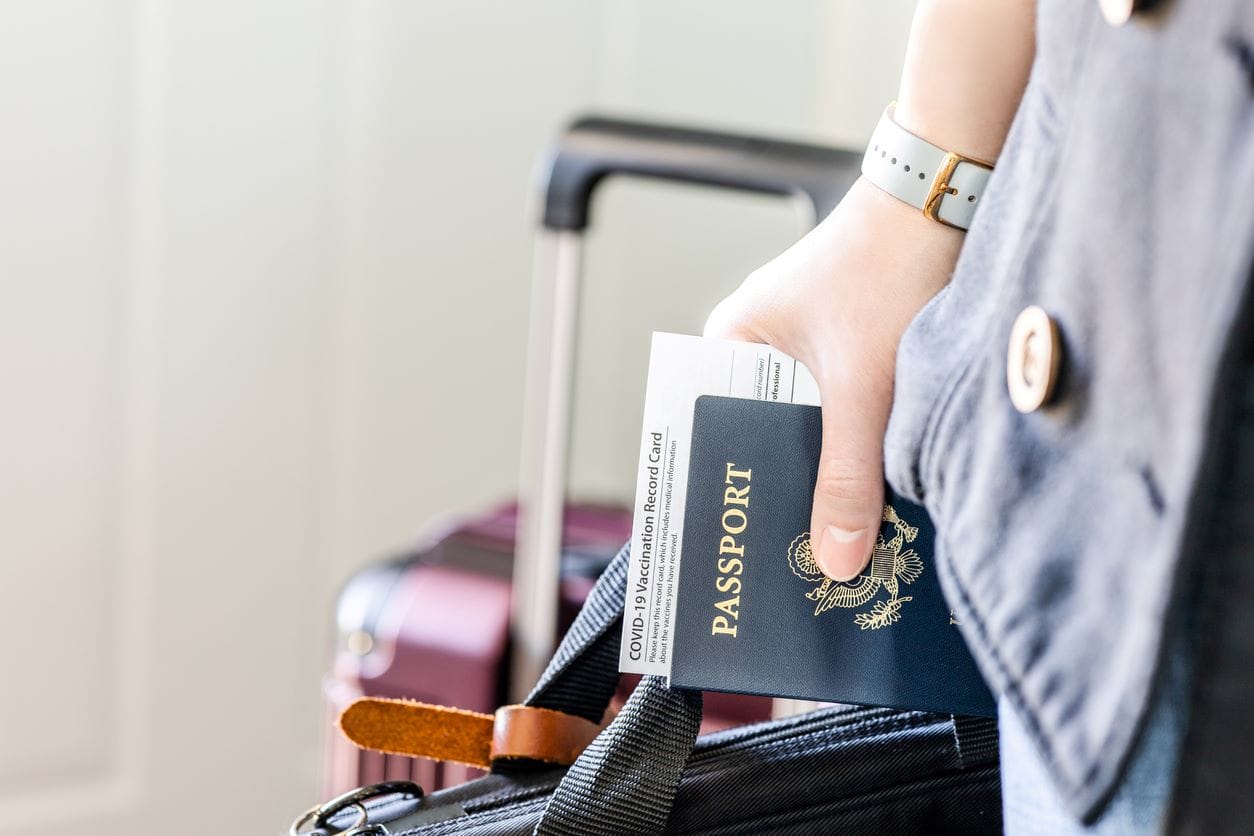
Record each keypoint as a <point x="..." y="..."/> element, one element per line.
<point x="849" y="491"/>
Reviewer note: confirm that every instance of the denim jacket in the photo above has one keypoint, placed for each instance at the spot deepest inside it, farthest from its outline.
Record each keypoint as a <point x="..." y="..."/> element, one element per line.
<point x="1122" y="204"/>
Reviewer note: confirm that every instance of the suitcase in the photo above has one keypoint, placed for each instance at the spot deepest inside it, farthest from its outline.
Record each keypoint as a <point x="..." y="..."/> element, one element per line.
<point x="392" y="617"/>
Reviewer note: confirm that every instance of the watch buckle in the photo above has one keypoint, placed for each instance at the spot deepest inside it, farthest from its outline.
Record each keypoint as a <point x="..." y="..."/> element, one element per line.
<point x="940" y="185"/>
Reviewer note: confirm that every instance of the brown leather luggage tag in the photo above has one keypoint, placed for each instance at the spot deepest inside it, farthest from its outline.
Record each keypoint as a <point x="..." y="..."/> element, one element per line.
<point x="419" y="730"/>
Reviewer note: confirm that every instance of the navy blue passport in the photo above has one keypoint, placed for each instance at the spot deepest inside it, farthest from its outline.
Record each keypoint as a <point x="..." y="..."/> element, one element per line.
<point x="754" y="612"/>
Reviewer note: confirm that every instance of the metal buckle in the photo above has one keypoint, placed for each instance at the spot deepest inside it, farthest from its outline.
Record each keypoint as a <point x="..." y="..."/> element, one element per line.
<point x="317" y="816"/>
<point x="940" y="185"/>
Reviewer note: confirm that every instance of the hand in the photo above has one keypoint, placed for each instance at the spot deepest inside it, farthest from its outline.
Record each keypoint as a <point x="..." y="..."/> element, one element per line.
<point x="838" y="300"/>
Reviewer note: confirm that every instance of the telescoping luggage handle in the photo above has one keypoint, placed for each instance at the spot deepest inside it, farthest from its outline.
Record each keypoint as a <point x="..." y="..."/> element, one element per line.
<point x="593" y="148"/>
<point x="589" y="151"/>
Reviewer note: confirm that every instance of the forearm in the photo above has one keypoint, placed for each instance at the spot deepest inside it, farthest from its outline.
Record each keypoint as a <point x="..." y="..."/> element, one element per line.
<point x="966" y="65"/>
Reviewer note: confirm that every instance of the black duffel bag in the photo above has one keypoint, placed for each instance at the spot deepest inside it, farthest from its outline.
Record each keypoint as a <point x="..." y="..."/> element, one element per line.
<point x="841" y="769"/>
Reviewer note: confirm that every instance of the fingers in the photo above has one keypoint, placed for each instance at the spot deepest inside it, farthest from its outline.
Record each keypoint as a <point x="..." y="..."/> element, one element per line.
<point x="856" y="393"/>
<point x="849" y="491"/>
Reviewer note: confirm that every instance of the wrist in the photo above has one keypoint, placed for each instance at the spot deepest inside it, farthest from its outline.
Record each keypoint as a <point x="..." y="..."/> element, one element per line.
<point x="907" y="257"/>
<point x="896" y="223"/>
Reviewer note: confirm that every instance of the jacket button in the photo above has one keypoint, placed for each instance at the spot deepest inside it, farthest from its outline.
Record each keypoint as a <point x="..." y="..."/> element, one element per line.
<point x="1117" y="12"/>
<point x="1033" y="359"/>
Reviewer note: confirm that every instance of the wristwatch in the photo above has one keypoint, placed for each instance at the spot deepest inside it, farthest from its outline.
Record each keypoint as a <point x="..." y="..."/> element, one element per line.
<point x="945" y="185"/>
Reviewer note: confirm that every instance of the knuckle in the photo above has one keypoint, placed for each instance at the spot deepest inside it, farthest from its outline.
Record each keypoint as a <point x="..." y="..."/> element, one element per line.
<point x="849" y="489"/>
<point x="738" y="317"/>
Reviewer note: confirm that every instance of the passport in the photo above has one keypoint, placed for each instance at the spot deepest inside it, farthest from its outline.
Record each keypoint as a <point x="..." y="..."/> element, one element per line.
<point x="754" y="613"/>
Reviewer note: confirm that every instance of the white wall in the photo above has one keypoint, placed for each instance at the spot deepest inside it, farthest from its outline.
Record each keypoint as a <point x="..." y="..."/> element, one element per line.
<point x="241" y="247"/>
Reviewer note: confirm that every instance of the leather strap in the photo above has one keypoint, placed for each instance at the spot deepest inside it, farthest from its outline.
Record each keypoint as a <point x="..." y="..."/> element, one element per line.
<point x="401" y="727"/>
<point x="523" y="732"/>
<point x="944" y="185"/>
<point x="420" y="730"/>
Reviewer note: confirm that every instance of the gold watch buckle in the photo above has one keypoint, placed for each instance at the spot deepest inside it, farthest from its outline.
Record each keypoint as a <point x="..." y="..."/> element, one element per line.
<point x="941" y="188"/>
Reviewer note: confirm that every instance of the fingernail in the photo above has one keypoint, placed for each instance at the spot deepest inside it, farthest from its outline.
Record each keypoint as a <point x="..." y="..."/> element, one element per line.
<point x="842" y="553"/>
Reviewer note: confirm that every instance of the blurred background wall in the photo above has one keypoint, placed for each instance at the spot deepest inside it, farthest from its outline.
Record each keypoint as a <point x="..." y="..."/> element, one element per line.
<point x="264" y="271"/>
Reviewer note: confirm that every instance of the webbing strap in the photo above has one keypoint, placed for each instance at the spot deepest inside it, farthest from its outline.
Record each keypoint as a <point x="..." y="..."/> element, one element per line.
<point x="626" y="780"/>
<point x="583" y="673"/>
<point x="976" y="740"/>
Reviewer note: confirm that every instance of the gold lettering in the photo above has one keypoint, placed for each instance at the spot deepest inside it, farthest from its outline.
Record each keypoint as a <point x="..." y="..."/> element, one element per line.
<point x="731" y="606"/>
<point x="731" y="496"/>
<point x="720" y="626"/>
<point x="735" y="520"/>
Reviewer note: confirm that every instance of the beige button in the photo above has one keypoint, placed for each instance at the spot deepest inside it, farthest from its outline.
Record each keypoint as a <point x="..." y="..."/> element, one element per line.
<point x="1117" y="12"/>
<point x="1033" y="359"/>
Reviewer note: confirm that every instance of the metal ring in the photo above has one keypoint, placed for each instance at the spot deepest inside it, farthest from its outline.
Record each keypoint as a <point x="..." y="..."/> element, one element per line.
<point x="318" y="815"/>
<point x="362" y="815"/>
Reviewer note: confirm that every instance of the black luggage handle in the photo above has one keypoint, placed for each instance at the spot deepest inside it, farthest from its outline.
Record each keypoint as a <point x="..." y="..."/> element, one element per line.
<point x="595" y="147"/>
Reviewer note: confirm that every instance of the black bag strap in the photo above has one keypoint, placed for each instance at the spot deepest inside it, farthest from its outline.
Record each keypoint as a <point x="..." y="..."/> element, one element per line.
<point x="583" y="673"/>
<point x="975" y="739"/>
<point x="625" y="781"/>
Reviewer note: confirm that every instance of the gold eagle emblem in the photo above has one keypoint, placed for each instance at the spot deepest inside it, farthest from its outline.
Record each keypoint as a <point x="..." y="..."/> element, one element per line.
<point x="890" y="567"/>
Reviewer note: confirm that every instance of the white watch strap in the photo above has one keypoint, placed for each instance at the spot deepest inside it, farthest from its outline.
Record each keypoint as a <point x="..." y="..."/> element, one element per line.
<point x="946" y="186"/>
